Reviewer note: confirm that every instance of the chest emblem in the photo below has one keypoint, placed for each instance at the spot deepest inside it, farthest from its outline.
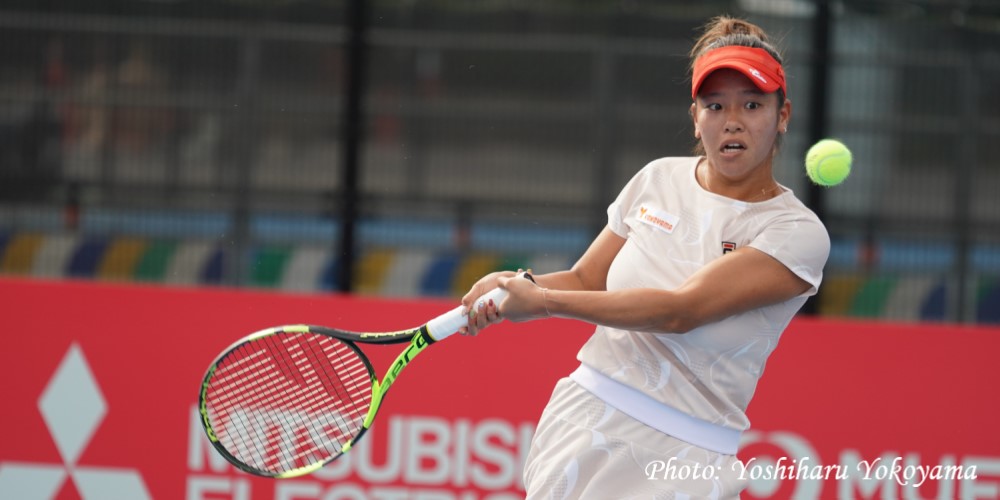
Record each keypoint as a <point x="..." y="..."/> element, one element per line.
<point x="659" y="219"/>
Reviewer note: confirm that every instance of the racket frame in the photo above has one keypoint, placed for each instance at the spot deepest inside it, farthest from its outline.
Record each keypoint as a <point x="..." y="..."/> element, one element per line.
<point x="419" y="339"/>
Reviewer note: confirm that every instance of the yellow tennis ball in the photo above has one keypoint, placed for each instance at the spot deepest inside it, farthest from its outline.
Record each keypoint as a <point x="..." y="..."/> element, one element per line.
<point x="828" y="162"/>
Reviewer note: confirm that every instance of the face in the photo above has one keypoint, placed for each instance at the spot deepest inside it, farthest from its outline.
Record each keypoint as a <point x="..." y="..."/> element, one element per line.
<point x="738" y="124"/>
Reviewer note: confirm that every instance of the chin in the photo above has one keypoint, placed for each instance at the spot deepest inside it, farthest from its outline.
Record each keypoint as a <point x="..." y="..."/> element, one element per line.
<point x="736" y="167"/>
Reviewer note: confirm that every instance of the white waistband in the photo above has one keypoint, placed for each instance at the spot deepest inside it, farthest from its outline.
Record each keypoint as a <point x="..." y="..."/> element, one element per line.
<point x="657" y="415"/>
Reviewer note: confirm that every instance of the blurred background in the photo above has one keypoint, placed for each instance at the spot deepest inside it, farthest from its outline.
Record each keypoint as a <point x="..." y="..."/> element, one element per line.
<point x="405" y="148"/>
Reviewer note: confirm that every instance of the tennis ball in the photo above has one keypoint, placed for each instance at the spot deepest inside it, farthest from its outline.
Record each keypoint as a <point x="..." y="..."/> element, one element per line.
<point x="828" y="162"/>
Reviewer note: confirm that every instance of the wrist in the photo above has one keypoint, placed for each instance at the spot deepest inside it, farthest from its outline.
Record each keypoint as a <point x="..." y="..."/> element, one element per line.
<point x="545" y="302"/>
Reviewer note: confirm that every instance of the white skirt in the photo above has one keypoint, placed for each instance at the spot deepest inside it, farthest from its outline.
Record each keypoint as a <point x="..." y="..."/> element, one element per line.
<point x="586" y="449"/>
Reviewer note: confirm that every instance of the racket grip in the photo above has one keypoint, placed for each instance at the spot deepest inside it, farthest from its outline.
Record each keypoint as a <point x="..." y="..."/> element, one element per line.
<point x="448" y="323"/>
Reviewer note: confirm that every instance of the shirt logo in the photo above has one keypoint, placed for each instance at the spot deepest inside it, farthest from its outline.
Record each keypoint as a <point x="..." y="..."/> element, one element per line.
<point x="728" y="246"/>
<point x="658" y="218"/>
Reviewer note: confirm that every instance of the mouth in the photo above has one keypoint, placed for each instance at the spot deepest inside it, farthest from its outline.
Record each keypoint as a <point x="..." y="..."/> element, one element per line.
<point x="733" y="147"/>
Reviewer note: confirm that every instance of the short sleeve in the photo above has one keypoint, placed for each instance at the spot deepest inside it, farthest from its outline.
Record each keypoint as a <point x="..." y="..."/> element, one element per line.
<point x="801" y="243"/>
<point x="619" y="209"/>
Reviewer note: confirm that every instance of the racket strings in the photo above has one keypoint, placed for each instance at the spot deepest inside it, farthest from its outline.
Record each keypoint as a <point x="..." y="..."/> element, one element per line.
<point x="289" y="400"/>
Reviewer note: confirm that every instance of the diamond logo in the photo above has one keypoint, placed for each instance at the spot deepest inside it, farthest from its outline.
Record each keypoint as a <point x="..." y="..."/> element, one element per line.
<point x="72" y="407"/>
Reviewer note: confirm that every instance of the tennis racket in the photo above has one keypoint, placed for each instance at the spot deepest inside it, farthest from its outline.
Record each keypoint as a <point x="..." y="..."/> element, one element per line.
<point x="285" y="401"/>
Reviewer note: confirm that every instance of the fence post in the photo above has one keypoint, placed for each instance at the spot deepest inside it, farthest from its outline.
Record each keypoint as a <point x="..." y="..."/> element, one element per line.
<point x="353" y="137"/>
<point x="818" y="116"/>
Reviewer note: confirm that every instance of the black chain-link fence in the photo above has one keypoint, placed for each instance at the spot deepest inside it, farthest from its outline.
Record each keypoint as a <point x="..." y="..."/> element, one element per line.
<point x="203" y="143"/>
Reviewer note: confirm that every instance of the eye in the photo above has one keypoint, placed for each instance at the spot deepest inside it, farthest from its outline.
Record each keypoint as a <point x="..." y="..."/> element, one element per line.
<point x="752" y="105"/>
<point x="713" y="106"/>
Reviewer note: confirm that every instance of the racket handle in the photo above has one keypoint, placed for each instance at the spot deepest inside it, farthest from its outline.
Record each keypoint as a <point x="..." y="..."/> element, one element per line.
<point x="448" y="323"/>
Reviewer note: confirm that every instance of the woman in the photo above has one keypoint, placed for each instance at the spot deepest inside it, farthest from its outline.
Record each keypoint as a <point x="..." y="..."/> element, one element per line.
<point x="702" y="265"/>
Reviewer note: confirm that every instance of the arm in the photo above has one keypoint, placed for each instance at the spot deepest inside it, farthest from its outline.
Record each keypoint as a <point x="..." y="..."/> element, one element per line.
<point x="589" y="273"/>
<point x="737" y="282"/>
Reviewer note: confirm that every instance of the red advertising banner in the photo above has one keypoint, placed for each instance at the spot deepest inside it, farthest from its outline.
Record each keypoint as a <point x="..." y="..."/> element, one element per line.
<point x="100" y="391"/>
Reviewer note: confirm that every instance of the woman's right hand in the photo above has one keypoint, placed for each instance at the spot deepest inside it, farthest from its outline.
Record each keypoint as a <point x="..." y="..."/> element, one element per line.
<point x="488" y="314"/>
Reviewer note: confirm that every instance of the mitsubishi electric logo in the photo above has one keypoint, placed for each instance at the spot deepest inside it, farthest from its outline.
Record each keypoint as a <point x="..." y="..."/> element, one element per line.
<point x="72" y="407"/>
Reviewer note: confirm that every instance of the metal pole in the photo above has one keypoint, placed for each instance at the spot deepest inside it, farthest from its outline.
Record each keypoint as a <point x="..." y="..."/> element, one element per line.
<point x="604" y="138"/>
<point x="818" y="117"/>
<point x="962" y="303"/>
<point x="237" y="263"/>
<point x="353" y="137"/>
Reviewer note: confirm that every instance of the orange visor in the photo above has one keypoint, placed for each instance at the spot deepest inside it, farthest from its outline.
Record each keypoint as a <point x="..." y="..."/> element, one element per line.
<point x="766" y="73"/>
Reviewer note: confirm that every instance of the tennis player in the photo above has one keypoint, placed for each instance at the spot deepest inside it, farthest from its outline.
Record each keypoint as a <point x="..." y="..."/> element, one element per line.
<point x="703" y="263"/>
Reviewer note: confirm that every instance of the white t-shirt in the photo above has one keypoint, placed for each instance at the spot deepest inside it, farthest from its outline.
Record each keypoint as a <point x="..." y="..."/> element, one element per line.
<point x="673" y="227"/>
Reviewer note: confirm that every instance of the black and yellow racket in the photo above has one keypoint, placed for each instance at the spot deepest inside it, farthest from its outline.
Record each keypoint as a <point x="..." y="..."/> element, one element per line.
<point x="285" y="401"/>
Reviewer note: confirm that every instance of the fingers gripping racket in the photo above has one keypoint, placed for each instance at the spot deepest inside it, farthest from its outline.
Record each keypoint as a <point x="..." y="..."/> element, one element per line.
<point x="285" y="401"/>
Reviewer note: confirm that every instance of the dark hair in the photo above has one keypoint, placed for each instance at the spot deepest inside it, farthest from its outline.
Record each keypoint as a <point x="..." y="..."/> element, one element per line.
<point x="725" y="31"/>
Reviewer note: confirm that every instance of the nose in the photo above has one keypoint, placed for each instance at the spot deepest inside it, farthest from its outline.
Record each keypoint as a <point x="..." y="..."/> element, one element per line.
<point x="733" y="123"/>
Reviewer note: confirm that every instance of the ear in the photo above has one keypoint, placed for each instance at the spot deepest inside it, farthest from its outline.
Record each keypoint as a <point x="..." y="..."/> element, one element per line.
<point x="784" y="116"/>
<point x="694" y="120"/>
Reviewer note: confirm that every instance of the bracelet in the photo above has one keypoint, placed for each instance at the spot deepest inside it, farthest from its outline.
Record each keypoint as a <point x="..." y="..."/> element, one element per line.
<point x="545" y="302"/>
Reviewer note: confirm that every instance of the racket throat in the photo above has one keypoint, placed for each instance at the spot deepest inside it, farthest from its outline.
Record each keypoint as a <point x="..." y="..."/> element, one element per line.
<point x="377" y="393"/>
<point x="419" y="342"/>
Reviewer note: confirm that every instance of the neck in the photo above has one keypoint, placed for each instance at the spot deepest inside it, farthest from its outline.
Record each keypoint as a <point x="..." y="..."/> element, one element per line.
<point x="754" y="188"/>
